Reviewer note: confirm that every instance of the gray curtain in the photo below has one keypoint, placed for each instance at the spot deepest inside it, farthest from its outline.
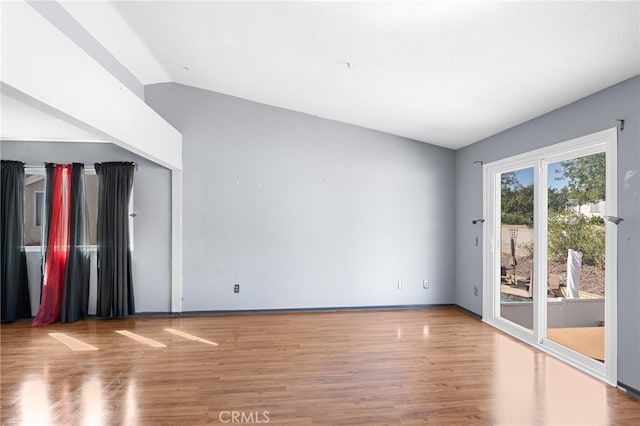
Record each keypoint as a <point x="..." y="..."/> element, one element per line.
<point x="115" y="282"/>
<point x="75" y="294"/>
<point x="15" y="304"/>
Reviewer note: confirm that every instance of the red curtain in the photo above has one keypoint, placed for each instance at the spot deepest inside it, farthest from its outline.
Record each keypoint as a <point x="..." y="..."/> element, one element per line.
<point x="57" y="248"/>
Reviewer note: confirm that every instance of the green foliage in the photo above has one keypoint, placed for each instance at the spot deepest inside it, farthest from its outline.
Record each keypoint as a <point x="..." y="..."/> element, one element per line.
<point x="596" y="220"/>
<point x="586" y="178"/>
<point x="509" y="181"/>
<point x="570" y="230"/>
<point x="558" y="199"/>
<point x="516" y="219"/>
<point x="516" y="201"/>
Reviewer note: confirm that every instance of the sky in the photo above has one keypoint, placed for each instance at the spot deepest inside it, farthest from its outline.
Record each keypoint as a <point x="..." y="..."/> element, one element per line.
<point x="525" y="176"/>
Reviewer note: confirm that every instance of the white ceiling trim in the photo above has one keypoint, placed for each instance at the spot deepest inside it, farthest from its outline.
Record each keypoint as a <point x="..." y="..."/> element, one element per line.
<point x="102" y="20"/>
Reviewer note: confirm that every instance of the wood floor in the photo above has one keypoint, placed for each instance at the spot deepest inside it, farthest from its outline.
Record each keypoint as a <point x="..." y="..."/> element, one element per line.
<point x="417" y="366"/>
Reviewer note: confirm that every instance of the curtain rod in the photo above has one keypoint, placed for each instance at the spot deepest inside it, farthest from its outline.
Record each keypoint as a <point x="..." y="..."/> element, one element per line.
<point x="31" y="166"/>
<point x="41" y="167"/>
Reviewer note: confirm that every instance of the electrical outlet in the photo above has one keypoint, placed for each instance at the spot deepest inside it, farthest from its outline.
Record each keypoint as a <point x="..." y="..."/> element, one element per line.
<point x="425" y="284"/>
<point x="399" y="285"/>
<point x="236" y="288"/>
<point x="475" y="290"/>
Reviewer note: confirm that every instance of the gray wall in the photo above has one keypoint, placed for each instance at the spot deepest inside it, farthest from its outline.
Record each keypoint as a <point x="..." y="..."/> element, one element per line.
<point x="152" y="204"/>
<point x="589" y="115"/>
<point x="304" y="212"/>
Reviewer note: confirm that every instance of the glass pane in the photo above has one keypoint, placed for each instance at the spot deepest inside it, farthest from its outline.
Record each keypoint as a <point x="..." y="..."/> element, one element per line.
<point x="516" y="257"/>
<point x="576" y="254"/>
<point x="39" y="207"/>
<point x="33" y="204"/>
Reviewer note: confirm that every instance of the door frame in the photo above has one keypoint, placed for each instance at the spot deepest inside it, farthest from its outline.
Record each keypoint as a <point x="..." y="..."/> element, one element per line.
<point x="606" y="141"/>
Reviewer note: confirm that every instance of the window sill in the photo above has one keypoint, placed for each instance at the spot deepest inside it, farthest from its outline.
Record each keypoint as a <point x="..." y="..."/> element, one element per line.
<point x="37" y="249"/>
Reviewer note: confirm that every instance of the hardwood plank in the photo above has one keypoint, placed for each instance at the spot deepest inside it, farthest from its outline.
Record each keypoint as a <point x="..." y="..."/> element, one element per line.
<point x="412" y="367"/>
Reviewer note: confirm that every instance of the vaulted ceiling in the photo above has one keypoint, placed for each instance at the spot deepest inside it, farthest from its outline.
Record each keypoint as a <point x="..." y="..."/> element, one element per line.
<point x="448" y="73"/>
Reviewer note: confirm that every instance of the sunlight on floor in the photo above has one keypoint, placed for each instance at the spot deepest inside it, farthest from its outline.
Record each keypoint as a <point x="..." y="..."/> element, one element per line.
<point x="34" y="402"/>
<point x="144" y="340"/>
<point x="564" y="395"/>
<point x="92" y="406"/>
<point x="189" y="336"/>
<point x="72" y="343"/>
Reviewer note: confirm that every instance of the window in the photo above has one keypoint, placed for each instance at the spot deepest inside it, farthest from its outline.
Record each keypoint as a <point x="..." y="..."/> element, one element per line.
<point x="38" y="207"/>
<point x="33" y="185"/>
<point x="35" y="201"/>
<point x="574" y="207"/>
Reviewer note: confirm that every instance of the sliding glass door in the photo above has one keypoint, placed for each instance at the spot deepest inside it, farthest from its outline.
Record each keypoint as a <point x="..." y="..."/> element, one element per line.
<point x="516" y="246"/>
<point x="549" y="257"/>
<point x="576" y="255"/>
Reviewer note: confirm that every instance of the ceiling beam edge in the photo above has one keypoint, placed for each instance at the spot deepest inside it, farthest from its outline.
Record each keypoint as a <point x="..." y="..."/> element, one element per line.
<point x="42" y="63"/>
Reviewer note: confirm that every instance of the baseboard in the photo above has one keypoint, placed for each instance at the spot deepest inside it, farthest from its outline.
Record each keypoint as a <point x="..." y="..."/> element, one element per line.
<point x="473" y="314"/>
<point x="632" y="392"/>
<point x="16" y="321"/>
<point x="320" y="309"/>
<point x="153" y="314"/>
<point x="283" y="310"/>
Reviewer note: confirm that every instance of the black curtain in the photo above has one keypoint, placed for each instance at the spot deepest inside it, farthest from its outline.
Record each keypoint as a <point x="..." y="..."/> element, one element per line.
<point x="115" y="282"/>
<point x="46" y="218"/>
<point x="75" y="294"/>
<point x="14" y="285"/>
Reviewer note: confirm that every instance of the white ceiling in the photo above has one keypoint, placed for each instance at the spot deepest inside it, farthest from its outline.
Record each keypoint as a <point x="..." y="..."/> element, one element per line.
<point x="23" y="119"/>
<point x="448" y="73"/>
